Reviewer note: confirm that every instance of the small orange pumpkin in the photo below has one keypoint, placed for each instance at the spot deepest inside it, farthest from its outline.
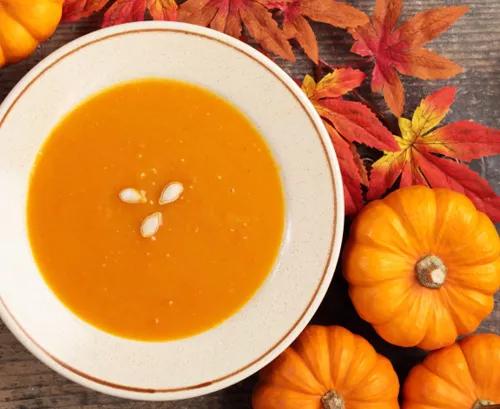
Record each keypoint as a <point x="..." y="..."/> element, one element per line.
<point x="423" y="265"/>
<point x="328" y="368"/>
<point x="461" y="376"/>
<point x="24" y="24"/>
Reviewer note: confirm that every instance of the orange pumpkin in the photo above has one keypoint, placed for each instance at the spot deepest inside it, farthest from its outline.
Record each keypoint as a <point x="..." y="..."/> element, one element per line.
<point x="24" y="24"/>
<point x="461" y="376"/>
<point x="423" y="265"/>
<point x="328" y="368"/>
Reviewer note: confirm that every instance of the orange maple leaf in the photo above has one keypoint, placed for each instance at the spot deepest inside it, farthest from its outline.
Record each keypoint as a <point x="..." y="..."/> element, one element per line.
<point x="433" y="157"/>
<point x="348" y="122"/>
<point x="163" y="9"/>
<point x="121" y="11"/>
<point x="400" y="49"/>
<point x="125" y="11"/>
<point x="74" y="10"/>
<point x="295" y="24"/>
<point x="229" y="16"/>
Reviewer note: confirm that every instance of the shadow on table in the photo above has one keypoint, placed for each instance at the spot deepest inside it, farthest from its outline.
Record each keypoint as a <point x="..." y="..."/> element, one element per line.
<point x="337" y="309"/>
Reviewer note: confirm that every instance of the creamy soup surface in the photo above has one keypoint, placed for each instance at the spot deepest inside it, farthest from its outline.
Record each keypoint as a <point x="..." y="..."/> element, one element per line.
<point x="217" y="242"/>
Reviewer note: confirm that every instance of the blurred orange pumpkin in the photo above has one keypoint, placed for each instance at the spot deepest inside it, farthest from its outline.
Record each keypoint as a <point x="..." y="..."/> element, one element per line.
<point x="24" y="24"/>
<point x="328" y="368"/>
<point x="461" y="376"/>
<point x="423" y="265"/>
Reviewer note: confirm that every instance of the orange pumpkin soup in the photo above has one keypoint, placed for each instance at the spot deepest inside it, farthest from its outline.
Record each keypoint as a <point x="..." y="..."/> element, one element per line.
<point x="155" y="210"/>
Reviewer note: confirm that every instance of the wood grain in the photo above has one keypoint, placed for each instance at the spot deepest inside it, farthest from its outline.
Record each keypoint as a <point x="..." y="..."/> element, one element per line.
<point x="474" y="42"/>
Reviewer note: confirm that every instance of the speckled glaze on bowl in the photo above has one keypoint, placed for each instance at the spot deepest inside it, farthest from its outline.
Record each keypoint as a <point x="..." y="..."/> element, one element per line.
<point x="290" y="295"/>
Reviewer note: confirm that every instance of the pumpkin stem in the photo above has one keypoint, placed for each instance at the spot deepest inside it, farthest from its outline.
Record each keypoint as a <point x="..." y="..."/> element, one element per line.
<point x="332" y="400"/>
<point x="485" y="404"/>
<point x="431" y="271"/>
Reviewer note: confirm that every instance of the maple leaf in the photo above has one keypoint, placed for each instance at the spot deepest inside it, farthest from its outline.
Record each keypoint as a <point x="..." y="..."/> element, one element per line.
<point x="348" y="122"/>
<point x="295" y="24"/>
<point x="74" y="10"/>
<point x="121" y="11"/>
<point x="434" y="157"/>
<point x="400" y="49"/>
<point x="163" y="9"/>
<point x="125" y="11"/>
<point x="229" y="16"/>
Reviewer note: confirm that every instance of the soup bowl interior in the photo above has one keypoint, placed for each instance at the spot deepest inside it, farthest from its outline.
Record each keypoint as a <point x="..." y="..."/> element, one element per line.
<point x="312" y="185"/>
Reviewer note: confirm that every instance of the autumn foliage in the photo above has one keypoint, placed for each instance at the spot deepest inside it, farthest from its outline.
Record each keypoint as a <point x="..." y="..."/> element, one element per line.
<point x="120" y="11"/>
<point x="400" y="49"/>
<point x="348" y="122"/>
<point x="232" y="17"/>
<point x="297" y="12"/>
<point x="229" y="16"/>
<point x="421" y="153"/>
<point x="435" y="157"/>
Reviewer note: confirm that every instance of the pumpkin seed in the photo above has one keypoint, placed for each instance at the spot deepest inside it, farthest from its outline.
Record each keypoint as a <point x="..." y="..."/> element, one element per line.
<point x="171" y="193"/>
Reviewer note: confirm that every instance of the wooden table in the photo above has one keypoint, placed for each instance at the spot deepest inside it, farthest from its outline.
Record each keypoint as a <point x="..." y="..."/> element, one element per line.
<point x="474" y="42"/>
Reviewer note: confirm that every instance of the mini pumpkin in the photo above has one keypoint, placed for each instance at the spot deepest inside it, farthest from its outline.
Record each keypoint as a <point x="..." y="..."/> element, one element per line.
<point x="461" y="376"/>
<point x="24" y="24"/>
<point x="422" y="266"/>
<point x="328" y="368"/>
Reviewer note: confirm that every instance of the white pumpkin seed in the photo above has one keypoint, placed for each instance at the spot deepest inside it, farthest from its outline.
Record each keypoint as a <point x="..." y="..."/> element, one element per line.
<point x="131" y="195"/>
<point x="171" y="193"/>
<point x="151" y="224"/>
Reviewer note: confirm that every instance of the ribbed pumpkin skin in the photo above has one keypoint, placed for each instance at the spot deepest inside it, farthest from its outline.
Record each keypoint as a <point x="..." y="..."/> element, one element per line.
<point x="459" y="376"/>
<point x="24" y="24"/>
<point x="389" y="241"/>
<point x="323" y="360"/>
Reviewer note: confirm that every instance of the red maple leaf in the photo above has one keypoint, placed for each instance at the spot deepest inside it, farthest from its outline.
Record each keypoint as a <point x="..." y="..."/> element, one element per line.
<point x="400" y="48"/>
<point x="74" y="10"/>
<point x="229" y="16"/>
<point x="121" y="11"/>
<point x="124" y="11"/>
<point x="295" y="24"/>
<point x="348" y="122"/>
<point x="435" y="157"/>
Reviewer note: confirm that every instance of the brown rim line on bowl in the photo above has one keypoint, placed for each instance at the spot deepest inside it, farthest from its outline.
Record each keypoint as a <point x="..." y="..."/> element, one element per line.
<point x="131" y="33"/>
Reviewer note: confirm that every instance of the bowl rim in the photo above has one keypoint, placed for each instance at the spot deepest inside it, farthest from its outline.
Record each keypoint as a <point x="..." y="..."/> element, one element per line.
<point x="140" y="393"/>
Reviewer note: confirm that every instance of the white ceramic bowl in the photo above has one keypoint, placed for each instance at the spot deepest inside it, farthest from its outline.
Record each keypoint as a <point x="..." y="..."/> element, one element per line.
<point x="290" y="295"/>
